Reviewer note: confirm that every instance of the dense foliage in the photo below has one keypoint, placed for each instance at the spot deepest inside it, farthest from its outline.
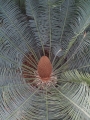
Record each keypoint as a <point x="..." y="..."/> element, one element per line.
<point x="57" y="29"/>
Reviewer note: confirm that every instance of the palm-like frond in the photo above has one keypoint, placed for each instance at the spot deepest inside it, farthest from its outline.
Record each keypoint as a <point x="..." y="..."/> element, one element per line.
<point x="56" y="28"/>
<point x="75" y="98"/>
<point x="79" y="59"/>
<point x="44" y="15"/>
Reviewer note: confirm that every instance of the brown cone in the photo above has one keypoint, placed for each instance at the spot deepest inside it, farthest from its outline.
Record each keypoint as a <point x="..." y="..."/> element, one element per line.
<point x="44" y="68"/>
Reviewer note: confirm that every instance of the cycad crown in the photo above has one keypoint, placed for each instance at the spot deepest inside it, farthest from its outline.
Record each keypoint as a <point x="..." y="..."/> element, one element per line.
<point x="45" y="60"/>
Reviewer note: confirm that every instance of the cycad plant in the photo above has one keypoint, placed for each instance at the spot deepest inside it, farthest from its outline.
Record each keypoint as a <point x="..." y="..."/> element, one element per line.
<point x="45" y="60"/>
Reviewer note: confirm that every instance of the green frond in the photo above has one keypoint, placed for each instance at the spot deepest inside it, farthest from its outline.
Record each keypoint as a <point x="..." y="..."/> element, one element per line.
<point x="74" y="101"/>
<point x="74" y="76"/>
<point x="38" y="12"/>
<point x="16" y="26"/>
<point x="78" y="56"/>
<point x="79" y="21"/>
<point x="51" y="24"/>
<point x="82" y="20"/>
